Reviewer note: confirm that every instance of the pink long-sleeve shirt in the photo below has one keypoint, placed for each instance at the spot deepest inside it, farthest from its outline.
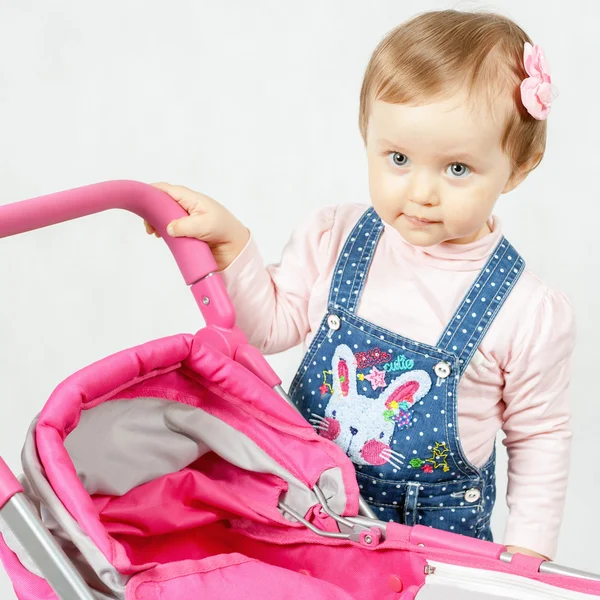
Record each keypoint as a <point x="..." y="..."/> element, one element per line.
<point x="518" y="381"/>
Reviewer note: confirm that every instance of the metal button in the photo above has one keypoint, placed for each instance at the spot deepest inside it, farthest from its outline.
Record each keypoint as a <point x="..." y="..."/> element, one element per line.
<point x="472" y="495"/>
<point x="334" y="322"/>
<point x="443" y="369"/>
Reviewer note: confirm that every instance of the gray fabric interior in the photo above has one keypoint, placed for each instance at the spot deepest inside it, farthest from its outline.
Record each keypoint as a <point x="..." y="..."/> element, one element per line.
<point x="121" y="444"/>
<point x="81" y="550"/>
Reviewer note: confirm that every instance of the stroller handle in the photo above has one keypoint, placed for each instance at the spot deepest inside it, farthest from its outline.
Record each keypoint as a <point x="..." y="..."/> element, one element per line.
<point x="193" y="257"/>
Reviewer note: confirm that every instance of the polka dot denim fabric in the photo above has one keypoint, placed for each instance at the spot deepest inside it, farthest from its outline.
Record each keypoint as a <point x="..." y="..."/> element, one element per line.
<point x="462" y="506"/>
<point x="391" y="403"/>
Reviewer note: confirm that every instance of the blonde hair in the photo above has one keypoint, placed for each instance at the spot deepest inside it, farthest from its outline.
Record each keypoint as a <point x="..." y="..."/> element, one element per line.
<point x="438" y="53"/>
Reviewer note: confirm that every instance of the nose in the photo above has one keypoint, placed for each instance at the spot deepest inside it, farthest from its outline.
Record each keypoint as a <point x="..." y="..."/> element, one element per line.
<point x="423" y="188"/>
<point x="353" y="430"/>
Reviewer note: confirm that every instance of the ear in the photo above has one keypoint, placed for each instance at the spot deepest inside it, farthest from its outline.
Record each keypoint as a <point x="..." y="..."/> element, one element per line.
<point x="406" y="392"/>
<point x="410" y="387"/>
<point x="519" y="175"/>
<point x="343" y="367"/>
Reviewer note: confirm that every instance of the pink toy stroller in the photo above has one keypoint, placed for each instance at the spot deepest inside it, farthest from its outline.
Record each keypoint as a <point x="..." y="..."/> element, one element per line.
<point x="177" y="470"/>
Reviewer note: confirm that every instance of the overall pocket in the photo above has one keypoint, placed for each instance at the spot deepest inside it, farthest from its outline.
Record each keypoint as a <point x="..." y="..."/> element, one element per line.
<point x="455" y="506"/>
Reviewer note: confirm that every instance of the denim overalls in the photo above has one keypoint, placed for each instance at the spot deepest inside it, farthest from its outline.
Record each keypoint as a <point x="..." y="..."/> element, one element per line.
<point x="391" y="402"/>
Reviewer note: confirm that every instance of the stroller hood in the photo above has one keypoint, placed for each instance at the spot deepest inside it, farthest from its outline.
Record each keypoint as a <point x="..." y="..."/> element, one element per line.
<point x="174" y="423"/>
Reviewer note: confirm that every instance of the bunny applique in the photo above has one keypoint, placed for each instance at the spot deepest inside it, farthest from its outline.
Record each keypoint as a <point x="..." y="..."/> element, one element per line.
<point x="362" y="426"/>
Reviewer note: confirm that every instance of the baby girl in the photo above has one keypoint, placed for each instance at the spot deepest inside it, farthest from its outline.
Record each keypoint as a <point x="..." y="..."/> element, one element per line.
<point x="425" y="334"/>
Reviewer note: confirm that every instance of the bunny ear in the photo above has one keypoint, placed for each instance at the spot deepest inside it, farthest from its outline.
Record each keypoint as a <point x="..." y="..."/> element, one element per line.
<point x="344" y="372"/>
<point x="401" y="394"/>
<point x="406" y="392"/>
<point x="342" y="376"/>
<point x="408" y="388"/>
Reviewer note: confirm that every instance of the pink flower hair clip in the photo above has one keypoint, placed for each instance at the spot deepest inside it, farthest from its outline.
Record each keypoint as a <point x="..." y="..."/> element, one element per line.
<point x="537" y="90"/>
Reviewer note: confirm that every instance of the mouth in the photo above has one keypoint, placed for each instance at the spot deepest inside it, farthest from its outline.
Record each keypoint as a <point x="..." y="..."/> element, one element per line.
<point x="418" y="222"/>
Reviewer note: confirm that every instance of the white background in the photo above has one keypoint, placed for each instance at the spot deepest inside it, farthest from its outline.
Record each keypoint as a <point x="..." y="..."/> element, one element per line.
<point x="254" y="103"/>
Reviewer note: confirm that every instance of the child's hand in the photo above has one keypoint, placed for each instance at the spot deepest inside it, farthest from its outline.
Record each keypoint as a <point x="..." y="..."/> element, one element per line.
<point x="527" y="552"/>
<point x="208" y="221"/>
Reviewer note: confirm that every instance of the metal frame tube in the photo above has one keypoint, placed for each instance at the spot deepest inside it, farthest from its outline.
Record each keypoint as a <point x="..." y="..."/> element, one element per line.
<point x="53" y="563"/>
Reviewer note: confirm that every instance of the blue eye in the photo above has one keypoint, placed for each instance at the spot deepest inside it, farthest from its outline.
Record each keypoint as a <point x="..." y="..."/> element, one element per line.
<point x="398" y="159"/>
<point x="458" y="170"/>
<point x="333" y="413"/>
<point x="381" y="435"/>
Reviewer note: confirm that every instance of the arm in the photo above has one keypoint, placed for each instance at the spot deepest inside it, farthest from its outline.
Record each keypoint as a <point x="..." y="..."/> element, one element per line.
<point x="537" y="427"/>
<point x="272" y="301"/>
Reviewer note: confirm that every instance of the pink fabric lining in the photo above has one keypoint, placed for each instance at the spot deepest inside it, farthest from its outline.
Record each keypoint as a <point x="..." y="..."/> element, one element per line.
<point x="363" y="571"/>
<point x="196" y="499"/>
<point x="229" y="577"/>
<point x="352" y="571"/>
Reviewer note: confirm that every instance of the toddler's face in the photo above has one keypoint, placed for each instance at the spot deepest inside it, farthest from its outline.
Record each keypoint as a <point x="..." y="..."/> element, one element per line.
<point x="436" y="171"/>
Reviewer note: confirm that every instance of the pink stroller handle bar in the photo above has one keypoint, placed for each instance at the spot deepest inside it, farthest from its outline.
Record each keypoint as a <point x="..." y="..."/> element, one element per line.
<point x="193" y="257"/>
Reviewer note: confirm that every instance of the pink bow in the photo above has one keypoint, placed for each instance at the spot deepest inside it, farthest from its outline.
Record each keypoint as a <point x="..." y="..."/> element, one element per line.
<point x="537" y="91"/>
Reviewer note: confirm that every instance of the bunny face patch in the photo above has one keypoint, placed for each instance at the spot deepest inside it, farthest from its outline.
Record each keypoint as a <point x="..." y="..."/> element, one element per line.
<point x="362" y="426"/>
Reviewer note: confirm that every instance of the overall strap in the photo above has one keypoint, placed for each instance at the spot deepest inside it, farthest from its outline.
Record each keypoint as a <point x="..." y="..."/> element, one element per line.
<point x="481" y="305"/>
<point x="354" y="261"/>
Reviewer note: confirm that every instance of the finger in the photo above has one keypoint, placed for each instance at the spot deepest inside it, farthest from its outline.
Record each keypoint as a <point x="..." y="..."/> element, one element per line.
<point x="150" y="230"/>
<point x="179" y="193"/>
<point x="194" y="226"/>
<point x="189" y="200"/>
<point x="163" y="186"/>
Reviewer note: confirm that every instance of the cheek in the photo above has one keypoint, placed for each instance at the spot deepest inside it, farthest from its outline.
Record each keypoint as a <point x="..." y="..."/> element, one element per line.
<point x="387" y="197"/>
<point x="332" y="431"/>
<point x="467" y="208"/>
<point x="384" y="186"/>
<point x="373" y="452"/>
